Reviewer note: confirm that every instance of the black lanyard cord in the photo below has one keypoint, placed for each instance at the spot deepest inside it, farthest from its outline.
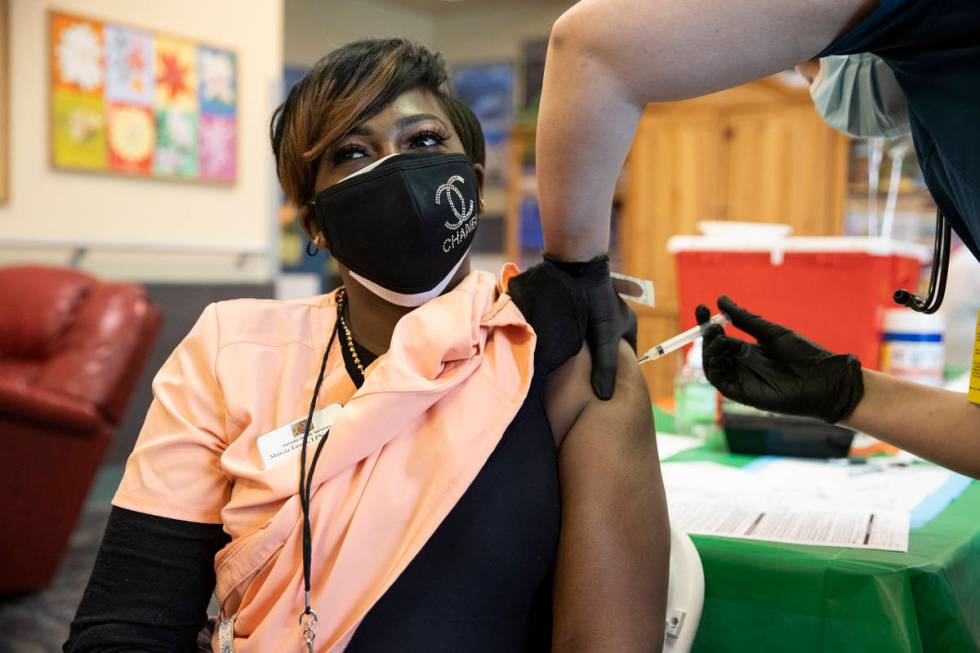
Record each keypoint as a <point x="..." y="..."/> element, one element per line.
<point x="306" y="480"/>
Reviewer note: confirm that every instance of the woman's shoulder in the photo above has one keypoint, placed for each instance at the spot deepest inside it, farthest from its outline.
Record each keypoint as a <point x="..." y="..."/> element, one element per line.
<point x="555" y="307"/>
<point x="270" y="321"/>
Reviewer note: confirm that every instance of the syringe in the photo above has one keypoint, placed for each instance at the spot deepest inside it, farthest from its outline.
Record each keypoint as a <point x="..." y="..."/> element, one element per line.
<point x="681" y="339"/>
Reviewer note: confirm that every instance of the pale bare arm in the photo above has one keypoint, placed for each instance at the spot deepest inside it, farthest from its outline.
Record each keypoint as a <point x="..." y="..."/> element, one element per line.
<point x="611" y="570"/>
<point x="939" y="425"/>
<point x="608" y="58"/>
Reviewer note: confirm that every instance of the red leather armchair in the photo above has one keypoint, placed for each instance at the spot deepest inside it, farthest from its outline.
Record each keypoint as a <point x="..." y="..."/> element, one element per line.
<point x="71" y="350"/>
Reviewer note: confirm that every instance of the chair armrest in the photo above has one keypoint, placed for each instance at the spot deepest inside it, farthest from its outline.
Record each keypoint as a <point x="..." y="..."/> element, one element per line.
<point x="48" y="408"/>
<point x="98" y="359"/>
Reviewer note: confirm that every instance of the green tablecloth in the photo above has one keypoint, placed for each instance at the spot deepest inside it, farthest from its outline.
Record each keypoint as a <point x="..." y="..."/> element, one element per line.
<point x="765" y="596"/>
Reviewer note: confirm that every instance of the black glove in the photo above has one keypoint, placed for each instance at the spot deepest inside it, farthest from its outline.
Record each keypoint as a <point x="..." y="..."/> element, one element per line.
<point x="784" y="373"/>
<point x="609" y="319"/>
<point x="555" y="306"/>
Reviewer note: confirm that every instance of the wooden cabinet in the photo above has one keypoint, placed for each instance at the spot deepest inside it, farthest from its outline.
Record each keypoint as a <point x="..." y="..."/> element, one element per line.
<point x="758" y="152"/>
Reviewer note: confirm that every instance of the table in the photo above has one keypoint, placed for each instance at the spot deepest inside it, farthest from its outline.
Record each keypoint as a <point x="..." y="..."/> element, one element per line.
<point x="788" y="598"/>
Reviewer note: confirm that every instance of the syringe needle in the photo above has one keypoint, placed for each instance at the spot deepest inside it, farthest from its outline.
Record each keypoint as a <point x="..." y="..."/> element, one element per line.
<point x="682" y="339"/>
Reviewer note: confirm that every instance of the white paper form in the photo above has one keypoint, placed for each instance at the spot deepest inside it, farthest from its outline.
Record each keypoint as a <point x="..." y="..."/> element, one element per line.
<point x="805" y="502"/>
<point x="860" y="486"/>
<point x="669" y="444"/>
<point x="880" y="529"/>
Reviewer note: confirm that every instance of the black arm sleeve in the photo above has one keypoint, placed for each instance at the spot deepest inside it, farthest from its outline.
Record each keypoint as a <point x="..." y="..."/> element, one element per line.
<point x="150" y="587"/>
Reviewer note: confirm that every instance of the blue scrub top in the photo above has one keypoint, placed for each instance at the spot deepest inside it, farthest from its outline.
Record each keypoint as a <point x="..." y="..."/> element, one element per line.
<point x="933" y="46"/>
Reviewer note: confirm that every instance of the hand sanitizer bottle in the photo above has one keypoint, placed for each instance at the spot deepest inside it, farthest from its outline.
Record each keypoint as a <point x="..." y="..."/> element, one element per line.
<point x="695" y="398"/>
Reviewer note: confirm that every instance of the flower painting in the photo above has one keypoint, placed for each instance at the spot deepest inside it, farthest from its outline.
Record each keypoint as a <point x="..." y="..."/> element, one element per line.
<point x="78" y="57"/>
<point x="176" y="74"/>
<point x="216" y="75"/>
<point x="129" y="65"/>
<point x="130" y="136"/>
<point x="135" y="102"/>
<point x="217" y="147"/>
<point x="176" y="151"/>
<point x="78" y="131"/>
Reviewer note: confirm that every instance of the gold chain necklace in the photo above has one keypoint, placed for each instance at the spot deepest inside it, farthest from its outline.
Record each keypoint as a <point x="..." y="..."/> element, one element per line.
<point x="341" y="305"/>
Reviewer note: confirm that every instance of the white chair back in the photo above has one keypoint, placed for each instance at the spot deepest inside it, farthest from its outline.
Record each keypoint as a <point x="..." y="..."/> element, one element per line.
<point x="685" y="594"/>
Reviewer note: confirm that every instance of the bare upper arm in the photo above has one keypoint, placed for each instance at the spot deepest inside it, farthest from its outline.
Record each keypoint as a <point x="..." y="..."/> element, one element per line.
<point x="673" y="49"/>
<point x="611" y="569"/>
<point x="569" y="393"/>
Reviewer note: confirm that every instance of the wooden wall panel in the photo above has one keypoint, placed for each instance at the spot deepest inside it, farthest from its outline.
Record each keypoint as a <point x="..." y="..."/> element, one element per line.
<point x="655" y="326"/>
<point x="673" y="183"/>
<point x="784" y="164"/>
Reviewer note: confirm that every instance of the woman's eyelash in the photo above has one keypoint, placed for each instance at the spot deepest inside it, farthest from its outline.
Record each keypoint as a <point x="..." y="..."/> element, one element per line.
<point x="436" y="136"/>
<point x="343" y="154"/>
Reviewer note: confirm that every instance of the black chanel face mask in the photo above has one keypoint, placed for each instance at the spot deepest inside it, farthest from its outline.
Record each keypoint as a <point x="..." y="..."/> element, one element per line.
<point x="403" y="225"/>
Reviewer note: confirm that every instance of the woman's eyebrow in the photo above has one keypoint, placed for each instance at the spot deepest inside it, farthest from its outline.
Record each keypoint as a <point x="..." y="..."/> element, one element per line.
<point x="408" y="121"/>
<point x="401" y="123"/>
<point x="360" y="130"/>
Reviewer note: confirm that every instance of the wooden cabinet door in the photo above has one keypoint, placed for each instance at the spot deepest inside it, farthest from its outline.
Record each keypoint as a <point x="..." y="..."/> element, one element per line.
<point x="784" y="164"/>
<point x="674" y="180"/>
<point x="674" y="177"/>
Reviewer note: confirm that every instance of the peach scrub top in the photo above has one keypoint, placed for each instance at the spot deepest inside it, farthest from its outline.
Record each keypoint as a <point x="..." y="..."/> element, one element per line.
<point x="400" y="454"/>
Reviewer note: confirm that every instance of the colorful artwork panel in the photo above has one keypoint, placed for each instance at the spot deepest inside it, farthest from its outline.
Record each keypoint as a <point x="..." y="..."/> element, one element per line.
<point x="217" y="145"/>
<point x="79" y="132"/>
<point x="176" y="147"/>
<point x="131" y="101"/>
<point x="129" y="66"/>
<point x="131" y="138"/>
<point x="216" y="81"/>
<point x="77" y="54"/>
<point x="176" y="74"/>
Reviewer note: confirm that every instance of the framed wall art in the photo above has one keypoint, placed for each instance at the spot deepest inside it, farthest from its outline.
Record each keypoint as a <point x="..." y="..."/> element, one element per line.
<point x="133" y="101"/>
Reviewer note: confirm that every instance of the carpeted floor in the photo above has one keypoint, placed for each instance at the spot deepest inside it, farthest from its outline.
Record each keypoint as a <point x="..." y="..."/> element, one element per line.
<point x="38" y="622"/>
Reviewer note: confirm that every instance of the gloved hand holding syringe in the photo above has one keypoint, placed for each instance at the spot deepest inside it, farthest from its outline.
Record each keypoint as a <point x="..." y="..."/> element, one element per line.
<point x="681" y="339"/>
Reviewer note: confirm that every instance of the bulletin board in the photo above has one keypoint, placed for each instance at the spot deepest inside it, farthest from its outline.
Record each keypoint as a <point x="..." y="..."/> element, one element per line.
<point x="132" y="101"/>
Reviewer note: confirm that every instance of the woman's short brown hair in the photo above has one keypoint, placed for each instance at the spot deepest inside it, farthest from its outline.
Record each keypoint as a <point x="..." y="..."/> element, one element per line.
<point x="345" y="88"/>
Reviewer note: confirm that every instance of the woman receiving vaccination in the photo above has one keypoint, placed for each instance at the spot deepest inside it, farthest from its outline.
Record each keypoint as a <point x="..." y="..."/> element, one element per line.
<point x="412" y="462"/>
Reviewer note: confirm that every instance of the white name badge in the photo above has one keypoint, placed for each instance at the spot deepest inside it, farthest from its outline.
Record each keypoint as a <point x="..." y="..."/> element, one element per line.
<point x="277" y="445"/>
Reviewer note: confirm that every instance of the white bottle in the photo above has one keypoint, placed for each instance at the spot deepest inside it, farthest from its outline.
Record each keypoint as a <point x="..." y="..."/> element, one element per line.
<point x="912" y="346"/>
<point x="696" y="400"/>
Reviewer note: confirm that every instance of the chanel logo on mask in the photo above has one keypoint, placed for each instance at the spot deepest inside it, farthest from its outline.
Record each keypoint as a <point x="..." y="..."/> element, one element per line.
<point x="462" y="213"/>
